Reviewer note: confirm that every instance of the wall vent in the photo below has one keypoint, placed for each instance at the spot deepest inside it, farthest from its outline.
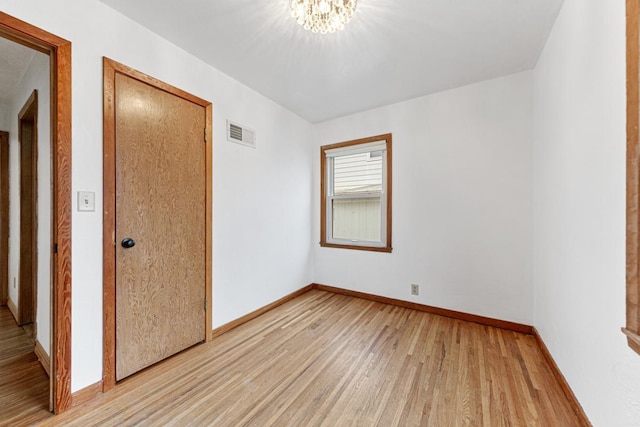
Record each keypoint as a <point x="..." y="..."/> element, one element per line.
<point x="240" y="134"/>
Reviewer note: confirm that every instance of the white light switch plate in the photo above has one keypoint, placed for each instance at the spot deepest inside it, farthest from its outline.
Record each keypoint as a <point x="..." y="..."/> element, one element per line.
<point x="86" y="201"/>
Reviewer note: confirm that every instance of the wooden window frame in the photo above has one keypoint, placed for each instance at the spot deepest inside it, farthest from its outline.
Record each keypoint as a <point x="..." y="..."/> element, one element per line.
<point x="632" y="329"/>
<point x="323" y="194"/>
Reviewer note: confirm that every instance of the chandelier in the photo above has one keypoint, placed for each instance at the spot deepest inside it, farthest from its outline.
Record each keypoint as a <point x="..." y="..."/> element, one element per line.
<point x="323" y="16"/>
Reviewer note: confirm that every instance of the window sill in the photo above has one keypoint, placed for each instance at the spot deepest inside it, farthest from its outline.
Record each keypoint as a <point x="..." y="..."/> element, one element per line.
<point x="387" y="249"/>
<point x="632" y="339"/>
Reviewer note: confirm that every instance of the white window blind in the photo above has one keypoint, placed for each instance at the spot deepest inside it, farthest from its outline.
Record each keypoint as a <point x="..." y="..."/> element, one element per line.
<point x="357" y="149"/>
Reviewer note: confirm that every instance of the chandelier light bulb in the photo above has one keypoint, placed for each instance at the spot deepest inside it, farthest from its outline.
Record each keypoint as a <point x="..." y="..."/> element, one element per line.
<point x="322" y="16"/>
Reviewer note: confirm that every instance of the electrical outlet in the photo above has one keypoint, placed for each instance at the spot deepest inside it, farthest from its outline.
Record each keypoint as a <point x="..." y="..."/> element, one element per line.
<point x="14" y="283"/>
<point x="415" y="289"/>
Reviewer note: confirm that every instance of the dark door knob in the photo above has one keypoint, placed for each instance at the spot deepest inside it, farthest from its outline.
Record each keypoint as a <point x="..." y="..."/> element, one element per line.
<point x="128" y="242"/>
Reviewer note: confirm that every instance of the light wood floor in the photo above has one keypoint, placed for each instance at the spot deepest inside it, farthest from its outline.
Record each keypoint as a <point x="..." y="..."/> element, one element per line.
<point x="327" y="359"/>
<point x="24" y="385"/>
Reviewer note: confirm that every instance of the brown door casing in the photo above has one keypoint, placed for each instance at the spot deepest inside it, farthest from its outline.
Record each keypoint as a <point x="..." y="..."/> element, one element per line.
<point x="4" y="217"/>
<point x="59" y="51"/>
<point x="28" y="138"/>
<point x="157" y="191"/>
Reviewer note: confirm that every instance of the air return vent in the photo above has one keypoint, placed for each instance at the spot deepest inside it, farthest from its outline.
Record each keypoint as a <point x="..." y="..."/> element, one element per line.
<point x="240" y="134"/>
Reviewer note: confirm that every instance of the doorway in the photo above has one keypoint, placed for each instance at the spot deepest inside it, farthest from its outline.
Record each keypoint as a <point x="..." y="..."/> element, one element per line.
<point x="157" y="221"/>
<point x="59" y="52"/>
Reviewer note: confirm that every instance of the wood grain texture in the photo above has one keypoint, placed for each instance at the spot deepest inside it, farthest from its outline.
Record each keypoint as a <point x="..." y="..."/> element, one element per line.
<point x="562" y="381"/>
<point x="160" y="203"/>
<point x="111" y="69"/>
<point x="43" y="357"/>
<point x="247" y="317"/>
<point x="487" y="321"/>
<point x="633" y="340"/>
<point x="24" y="386"/>
<point x="61" y="283"/>
<point x="335" y="360"/>
<point x="208" y="232"/>
<point x="108" y="227"/>
<point x="87" y="394"/>
<point x="4" y="217"/>
<point x="12" y="309"/>
<point x="633" y="175"/>
<point x="59" y="51"/>
<point x="389" y="189"/>
<point x="21" y="32"/>
<point x="323" y="197"/>
<point x="356" y="247"/>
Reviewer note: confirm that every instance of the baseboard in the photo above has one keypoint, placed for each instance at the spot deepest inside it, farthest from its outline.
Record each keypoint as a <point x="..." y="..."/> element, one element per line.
<point x="573" y="401"/>
<point x="486" y="321"/>
<point x="13" y="309"/>
<point x="86" y="394"/>
<point x="244" y="319"/>
<point x="91" y="392"/>
<point x="43" y="357"/>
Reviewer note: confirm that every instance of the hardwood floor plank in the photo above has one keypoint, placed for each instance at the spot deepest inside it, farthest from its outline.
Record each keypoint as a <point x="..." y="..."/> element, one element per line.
<point x="325" y="359"/>
<point x="24" y="385"/>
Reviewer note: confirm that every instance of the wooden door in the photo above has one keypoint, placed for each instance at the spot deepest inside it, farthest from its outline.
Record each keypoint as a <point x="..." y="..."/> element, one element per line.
<point x="160" y="205"/>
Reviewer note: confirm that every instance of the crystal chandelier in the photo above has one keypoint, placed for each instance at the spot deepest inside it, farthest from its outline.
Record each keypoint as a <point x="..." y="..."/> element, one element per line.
<point x="323" y="16"/>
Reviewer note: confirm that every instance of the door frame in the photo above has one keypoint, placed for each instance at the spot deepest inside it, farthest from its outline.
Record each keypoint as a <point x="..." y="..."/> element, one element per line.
<point x="110" y="68"/>
<point x="28" y="263"/>
<point x="4" y="217"/>
<point x="59" y="51"/>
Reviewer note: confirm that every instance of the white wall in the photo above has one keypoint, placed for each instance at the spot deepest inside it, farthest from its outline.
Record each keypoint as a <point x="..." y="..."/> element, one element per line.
<point x="261" y="197"/>
<point x="579" y="209"/>
<point x="462" y="194"/>
<point x="461" y="201"/>
<point x="36" y="77"/>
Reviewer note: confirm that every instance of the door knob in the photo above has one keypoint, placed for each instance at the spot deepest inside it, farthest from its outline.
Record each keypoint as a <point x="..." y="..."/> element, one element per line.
<point x="128" y="242"/>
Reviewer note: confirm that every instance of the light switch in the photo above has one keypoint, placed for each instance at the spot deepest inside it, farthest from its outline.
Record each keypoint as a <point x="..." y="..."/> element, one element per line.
<point x="86" y="201"/>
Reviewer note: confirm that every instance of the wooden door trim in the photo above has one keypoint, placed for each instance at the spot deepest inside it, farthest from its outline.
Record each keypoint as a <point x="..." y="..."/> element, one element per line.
<point x="110" y="68"/>
<point x="4" y="217"/>
<point x="59" y="51"/>
<point x="27" y="300"/>
<point x="632" y="327"/>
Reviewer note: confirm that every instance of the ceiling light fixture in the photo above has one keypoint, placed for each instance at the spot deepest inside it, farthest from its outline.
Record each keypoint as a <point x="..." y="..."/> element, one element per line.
<point x="323" y="16"/>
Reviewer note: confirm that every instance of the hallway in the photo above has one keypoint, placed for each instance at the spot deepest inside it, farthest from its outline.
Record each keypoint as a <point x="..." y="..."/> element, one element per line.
<point x="24" y="385"/>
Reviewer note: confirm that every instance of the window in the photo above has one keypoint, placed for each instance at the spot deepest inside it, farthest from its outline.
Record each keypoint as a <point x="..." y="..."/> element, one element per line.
<point x="356" y="194"/>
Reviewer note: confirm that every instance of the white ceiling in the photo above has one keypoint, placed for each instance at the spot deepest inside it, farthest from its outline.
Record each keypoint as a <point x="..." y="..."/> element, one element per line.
<point x="14" y="61"/>
<point x="392" y="50"/>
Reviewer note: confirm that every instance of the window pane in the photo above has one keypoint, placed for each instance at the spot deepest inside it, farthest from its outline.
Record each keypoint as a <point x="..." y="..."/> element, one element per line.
<point x="357" y="219"/>
<point x="358" y="173"/>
